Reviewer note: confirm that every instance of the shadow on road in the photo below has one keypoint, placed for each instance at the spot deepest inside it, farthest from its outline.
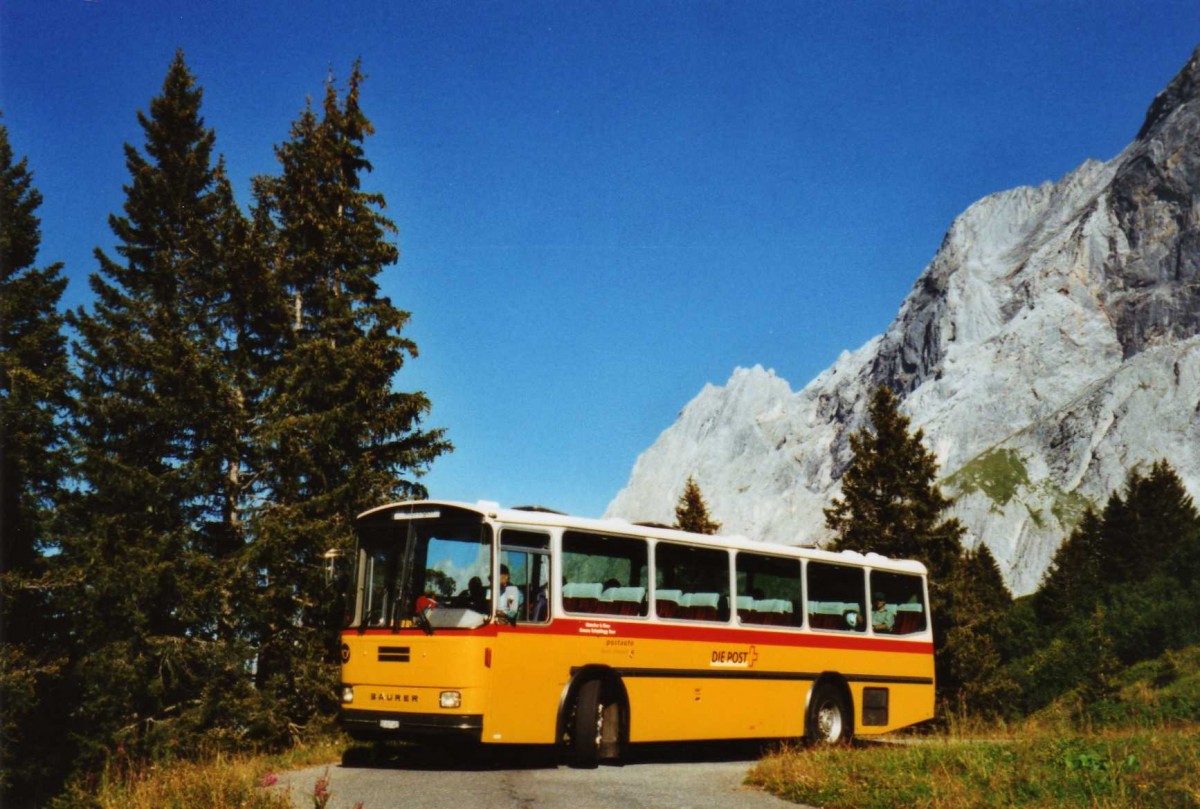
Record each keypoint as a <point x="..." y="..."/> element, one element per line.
<point x="477" y="757"/>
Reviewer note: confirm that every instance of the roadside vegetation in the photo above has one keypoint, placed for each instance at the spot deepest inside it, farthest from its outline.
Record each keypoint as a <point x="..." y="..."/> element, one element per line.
<point x="1137" y="748"/>
<point x="213" y="780"/>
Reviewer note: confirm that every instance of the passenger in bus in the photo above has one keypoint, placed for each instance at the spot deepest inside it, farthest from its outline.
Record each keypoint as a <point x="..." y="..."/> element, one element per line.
<point x="475" y="596"/>
<point x="510" y="598"/>
<point x="882" y="620"/>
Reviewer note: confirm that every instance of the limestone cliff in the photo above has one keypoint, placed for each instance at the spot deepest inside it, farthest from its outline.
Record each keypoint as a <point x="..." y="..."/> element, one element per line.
<point x="1049" y="347"/>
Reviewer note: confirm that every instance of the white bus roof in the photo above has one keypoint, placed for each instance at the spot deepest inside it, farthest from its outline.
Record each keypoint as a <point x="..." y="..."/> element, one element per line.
<point x="545" y="518"/>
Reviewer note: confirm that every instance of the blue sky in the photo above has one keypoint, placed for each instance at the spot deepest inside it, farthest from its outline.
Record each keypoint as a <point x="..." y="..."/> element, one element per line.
<point x="605" y="205"/>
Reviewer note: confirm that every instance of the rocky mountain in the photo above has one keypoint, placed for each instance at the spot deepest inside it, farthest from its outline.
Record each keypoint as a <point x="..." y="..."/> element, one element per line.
<point x="1051" y="345"/>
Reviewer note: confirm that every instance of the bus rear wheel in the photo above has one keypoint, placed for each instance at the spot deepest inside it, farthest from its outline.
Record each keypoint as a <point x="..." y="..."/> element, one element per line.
<point x="596" y="732"/>
<point x="829" y="718"/>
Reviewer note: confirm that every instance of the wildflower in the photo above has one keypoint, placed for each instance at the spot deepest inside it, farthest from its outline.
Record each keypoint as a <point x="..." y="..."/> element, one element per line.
<point x="321" y="793"/>
<point x="270" y="779"/>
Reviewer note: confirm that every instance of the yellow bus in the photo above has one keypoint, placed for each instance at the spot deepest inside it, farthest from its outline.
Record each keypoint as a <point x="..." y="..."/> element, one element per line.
<point x="527" y="626"/>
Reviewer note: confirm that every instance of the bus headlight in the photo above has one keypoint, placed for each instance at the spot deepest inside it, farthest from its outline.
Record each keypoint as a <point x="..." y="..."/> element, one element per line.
<point x="450" y="699"/>
<point x="347" y="693"/>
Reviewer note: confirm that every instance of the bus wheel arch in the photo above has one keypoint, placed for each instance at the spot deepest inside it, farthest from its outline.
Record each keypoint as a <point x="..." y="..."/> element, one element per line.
<point x="829" y="711"/>
<point x="593" y="721"/>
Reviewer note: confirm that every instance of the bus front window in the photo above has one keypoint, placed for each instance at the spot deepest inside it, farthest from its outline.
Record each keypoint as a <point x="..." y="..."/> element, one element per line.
<point x="411" y="561"/>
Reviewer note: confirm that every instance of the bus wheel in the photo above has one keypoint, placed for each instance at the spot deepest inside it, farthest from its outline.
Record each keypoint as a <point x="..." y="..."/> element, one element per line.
<point x="829" y="717"/>
<point x="596" y="731"/>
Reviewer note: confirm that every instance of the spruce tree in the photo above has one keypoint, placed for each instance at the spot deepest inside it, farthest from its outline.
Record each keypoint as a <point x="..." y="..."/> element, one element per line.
<point x="1142" y="528"/>
<point x="162" y="426"/>
<point x="34" y="381"/>
<point x="979" y="602"/>
<point x="34" y="466"/>
<point x="891" y="504"/>
<point x="1138" y="536"/>
<point x="1119" y="589"/>
<point x="691" y="512"/>
<point x="1073" y="583"/>
<point x="982" y="569"/>
<point x="340" y="436"/>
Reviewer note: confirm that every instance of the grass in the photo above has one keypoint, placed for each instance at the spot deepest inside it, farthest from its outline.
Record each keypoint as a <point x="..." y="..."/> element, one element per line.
<point x="1068" y="507"/>
<point x="1001" y="473"/>
<point x="1139" y="749"/>
<point x="1113" y="769"/>
<point x="218" y="781"/>
<point x="997" y="472"/>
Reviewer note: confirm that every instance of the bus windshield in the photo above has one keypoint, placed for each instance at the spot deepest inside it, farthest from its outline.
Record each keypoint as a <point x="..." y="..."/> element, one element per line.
<point x="412" y="560"/>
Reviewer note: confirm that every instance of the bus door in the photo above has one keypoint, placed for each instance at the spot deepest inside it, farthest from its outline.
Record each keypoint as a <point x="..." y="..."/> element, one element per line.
<point x="526" y="681"/>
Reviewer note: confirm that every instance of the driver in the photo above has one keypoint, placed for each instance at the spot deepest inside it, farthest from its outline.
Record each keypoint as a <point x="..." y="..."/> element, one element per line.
<point x="510" y="597"/>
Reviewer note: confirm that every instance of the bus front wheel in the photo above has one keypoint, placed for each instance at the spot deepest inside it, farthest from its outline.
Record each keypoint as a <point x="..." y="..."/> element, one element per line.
<point x="829" y="718"/>
<point x="595" y="734"/>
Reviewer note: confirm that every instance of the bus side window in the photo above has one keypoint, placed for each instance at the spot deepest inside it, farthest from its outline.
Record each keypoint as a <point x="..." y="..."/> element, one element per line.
<point x="769" y="590"/>
<point x="835" y="597"/>
<point x="699" y="575"/>
<point x="897" y="603"/>
<point x="604" y="575"/>
<point x="526" y="554"/>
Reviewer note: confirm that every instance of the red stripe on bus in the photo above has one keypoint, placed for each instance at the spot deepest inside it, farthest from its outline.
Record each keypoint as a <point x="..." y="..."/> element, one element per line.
<point x="599" y="627"/>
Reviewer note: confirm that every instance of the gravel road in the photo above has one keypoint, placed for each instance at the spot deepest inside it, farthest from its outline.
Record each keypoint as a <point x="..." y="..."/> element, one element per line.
<point x="702" y="776"/>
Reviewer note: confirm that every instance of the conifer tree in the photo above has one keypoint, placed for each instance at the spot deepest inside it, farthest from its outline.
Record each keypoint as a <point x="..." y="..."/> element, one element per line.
<point x="890" y="501"/>
<point x="691" y="512"/>
<point x="34" y="380"/>
<point x="1101" y="665"/>
<point x="982" y="569"/>
<point x="340" y="436"/>
<point x="161" y="426"/>
<point x="1138" y="535"/>
<point x="1072" y="584"/>
<point x="1142" y="528"/>
<point x="34" y="465"/>
<point x="978" y="601"/>
<point x="1120" y="589"/>
<point x="891" y="504"/>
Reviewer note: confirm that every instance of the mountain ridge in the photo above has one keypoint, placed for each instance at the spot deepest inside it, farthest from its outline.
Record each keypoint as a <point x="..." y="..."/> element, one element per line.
<point x="1021" y="350"/>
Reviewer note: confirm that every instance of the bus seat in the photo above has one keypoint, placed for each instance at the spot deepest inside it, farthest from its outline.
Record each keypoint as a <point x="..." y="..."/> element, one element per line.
<point x="581" y="596"/>
<point x="666" y="603"/>
<point x="622" y="601"/>
<point x="908" y="620"/>
<point x="607" y="605"/>
<point x="825" y="615"/>
<point x="703" y="606"/>
<point x="629" y="600"/>
<point x="745" y="610"/>
<point x="773" y="611"/>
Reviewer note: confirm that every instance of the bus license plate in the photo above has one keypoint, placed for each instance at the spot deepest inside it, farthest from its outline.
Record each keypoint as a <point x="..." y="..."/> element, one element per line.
<point x="389" y="724"/>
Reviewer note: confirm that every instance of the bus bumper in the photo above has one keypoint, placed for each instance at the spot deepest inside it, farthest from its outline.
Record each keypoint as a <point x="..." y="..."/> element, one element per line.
<point x="372" y="725"/>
